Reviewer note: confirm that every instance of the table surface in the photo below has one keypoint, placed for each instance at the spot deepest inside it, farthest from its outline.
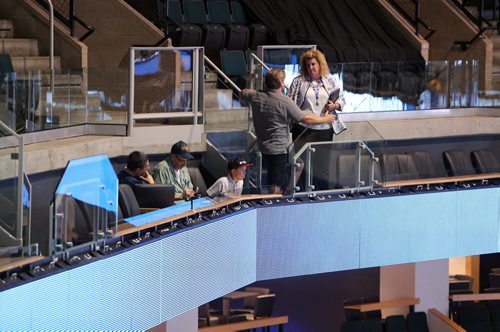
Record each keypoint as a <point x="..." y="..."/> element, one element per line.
<point x="249" y="324"/>
<point x="238" y="295"/>
<point x="363" y="307"/>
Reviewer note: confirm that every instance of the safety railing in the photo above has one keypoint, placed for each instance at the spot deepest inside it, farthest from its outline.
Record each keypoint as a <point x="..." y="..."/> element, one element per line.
<point x="15" y="199"/>
<point x="165" y="83"/>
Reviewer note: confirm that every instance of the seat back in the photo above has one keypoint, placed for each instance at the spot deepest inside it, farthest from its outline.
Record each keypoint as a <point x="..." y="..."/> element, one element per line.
<point x="249" y="302"/>
<point x="484" y="161"/>
<point x="264" y="305"/>
<point x="196" y="177"/>
<point x="398" y="166"/>
<point x="128" y="202"/>
<point x="457" y="163"/>
<point x="219" y="12"/>
<point x="6" y="64"/>
<point x="347" y="166"/>
<point x="423" y="164"/>
<point x="194" y="11"/>
<point x="475" y="318"/>
<point x="417" y="322"/>
<point x="395" y="323"/>
<point x="234" y="65"/>
<point x="495" y="318"/>
<point x="351" y="326"/>
<point x="372" y="325"/>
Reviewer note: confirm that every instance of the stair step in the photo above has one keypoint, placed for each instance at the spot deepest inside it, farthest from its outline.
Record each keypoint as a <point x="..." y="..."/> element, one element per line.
<point x="60" y="80"/>
<point x="226" y="119"/>
<point x="34" y="63"/>
<point x="6" y="29"/>
<point x="19" y="47"/>
<point x="219" y="98"/>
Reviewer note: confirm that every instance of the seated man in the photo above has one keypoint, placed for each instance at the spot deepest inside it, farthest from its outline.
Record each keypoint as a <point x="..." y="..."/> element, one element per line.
<point x="137" y="170"/>
<point x="173" y="170"/>
<point x="232" y="184"/>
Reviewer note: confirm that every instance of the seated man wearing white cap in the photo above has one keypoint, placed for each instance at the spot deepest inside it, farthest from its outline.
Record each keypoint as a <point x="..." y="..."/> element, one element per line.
<point x="232" y="184"/>
<point x="173" y="170"/>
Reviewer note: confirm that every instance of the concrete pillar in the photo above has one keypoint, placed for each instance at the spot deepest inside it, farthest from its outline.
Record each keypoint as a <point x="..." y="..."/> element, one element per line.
<point x="425" y="280"/>
<point x="187" y="322"/>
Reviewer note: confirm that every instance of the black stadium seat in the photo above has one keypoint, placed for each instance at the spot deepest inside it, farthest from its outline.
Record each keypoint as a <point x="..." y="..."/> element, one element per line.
<point x="214" y="35"/>
<point x="237" y="35"/>
<point x="457" y="163"/>
<point x="484" y="161"/>
<point x="182" y="33"/>
<point x="258" y="32"/>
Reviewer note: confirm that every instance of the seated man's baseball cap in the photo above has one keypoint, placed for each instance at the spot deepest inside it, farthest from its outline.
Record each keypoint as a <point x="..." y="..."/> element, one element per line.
<point x="181" y="149"/>
<point x="237" y="163"/>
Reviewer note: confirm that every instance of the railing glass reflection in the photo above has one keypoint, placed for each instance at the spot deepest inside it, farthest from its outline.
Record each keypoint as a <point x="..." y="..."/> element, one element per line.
<point x="85" y="207"/>
<point x="15" y="200"/>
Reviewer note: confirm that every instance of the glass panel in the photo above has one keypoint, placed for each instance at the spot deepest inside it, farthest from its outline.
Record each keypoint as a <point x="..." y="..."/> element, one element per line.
<point x="286" y="57"/>
<point x="14" y="200"/>
<point x="85" y="208"/>
<point x="340" y="164"/>
<point x="166" y="81"/>
<point x="464" y="83"/>
<point x="106" y="96"/>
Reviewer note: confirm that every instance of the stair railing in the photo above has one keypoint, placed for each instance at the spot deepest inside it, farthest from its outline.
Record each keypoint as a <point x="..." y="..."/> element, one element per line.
<point x="70" y="19"/>
<point x="415" y="20"/>
<point x="482" y="23"/>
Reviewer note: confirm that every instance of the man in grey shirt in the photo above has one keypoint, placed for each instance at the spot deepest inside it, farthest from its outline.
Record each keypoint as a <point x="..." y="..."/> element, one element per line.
<point x="272" y="114"/>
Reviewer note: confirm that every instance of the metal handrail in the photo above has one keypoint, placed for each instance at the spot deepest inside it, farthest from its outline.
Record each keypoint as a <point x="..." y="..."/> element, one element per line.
<point x="221" y="73"/>
<point x="309" y="149"/>
<point x="51" y="47"/>
<point x="415" y="20"/>
<point x="482" y="24"/>
<point x="20" y="182"/>
<point x="72" y="19"/>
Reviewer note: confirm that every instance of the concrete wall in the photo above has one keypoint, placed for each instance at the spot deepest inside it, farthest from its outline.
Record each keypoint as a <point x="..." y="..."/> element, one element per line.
<point x="451" y="25"/>
<point x="30" y="21"/>
<point x="118" y="27"/>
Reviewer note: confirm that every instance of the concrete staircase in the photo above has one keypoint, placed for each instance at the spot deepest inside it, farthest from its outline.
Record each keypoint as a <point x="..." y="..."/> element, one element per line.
<point x="70" y="102"/>
<point x="222" y="113"/>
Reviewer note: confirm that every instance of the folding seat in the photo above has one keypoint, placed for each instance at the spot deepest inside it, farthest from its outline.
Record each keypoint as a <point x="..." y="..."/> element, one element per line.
<point x="351" y="326"/>
<point x="484" y="161"/>
<point x="395" y="323"/>
<point x="417" y="322"/>
<point x="423" y="164"/>
<point x="347" y="166"/>
<point x="237" y="35"/>
<point x="258" y="32"/>
<point x="398" y="166"/>
<point x="372" y="325"/>
<point x="475" y="319"/>
<point x="214" y="35"/>
<point x="182" y="33"/>
<point x="457" y="163"/>
<point x="234" y="65"/>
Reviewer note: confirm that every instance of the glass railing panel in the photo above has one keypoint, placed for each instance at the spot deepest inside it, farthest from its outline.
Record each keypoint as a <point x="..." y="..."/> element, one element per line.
<point x="224" y="111"/>
<point x="167" y="85"/>
<point x="286" y="57"/>
<point x="436" y="94"/>
<point x="14" y="199"/>
<point x="464" y="81"/>
<point x="347" y="164"/>
<point x="106" y="95"/>
<point x="85" y="209"/>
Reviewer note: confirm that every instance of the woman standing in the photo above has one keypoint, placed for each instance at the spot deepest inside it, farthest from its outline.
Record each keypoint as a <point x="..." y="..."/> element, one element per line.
<point x="318" y="92"/>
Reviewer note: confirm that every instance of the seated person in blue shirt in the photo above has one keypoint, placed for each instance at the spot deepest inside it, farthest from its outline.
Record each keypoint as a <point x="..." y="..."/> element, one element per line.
<point x="232" y="184"/>
<point x="137" y="170"/>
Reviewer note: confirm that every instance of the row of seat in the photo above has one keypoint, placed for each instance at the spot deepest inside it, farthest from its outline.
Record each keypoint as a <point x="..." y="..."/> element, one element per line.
<point x="216" y="25"/>
<point x="415" y="165"/>
<point x="414" y="322"/>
